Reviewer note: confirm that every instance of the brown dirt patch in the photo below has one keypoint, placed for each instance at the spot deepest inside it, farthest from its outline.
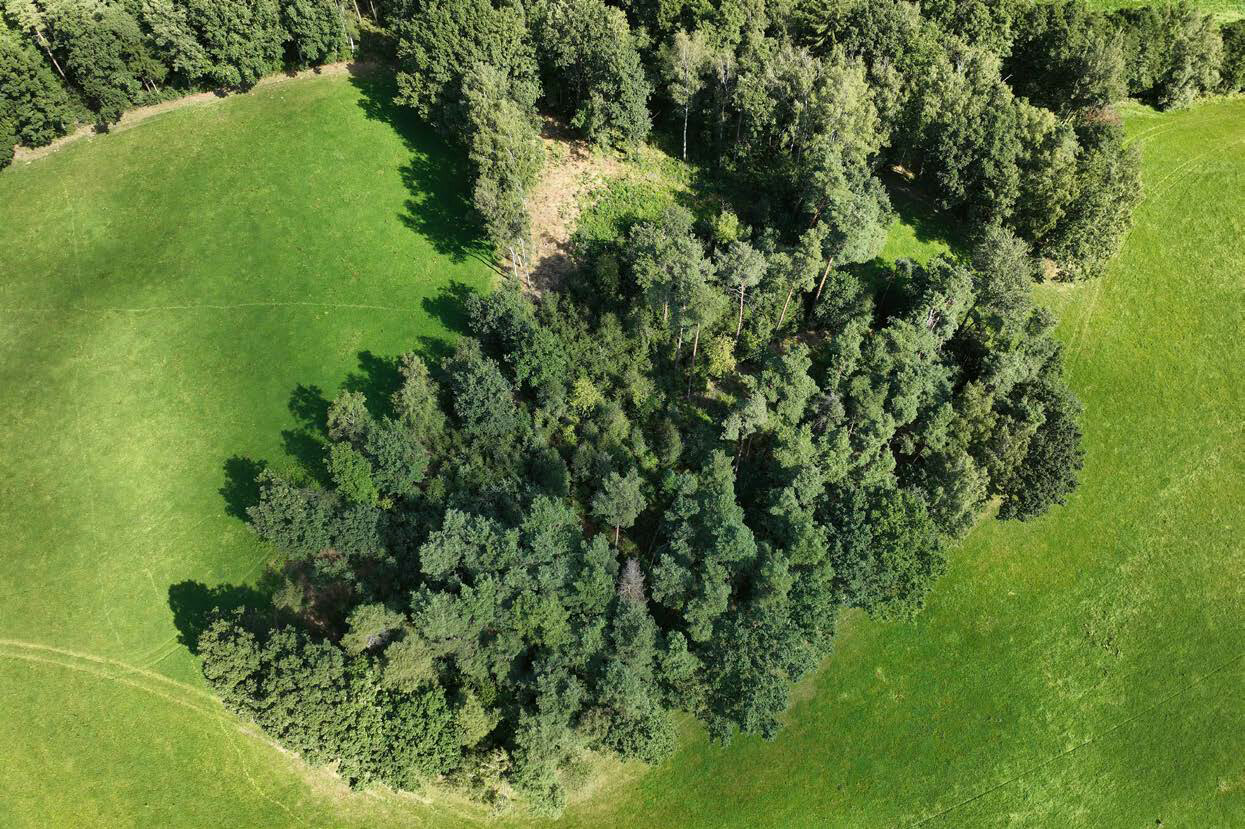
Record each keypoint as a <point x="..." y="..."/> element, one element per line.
<point x="136" y="116"/>
<point x="572" y="169"/>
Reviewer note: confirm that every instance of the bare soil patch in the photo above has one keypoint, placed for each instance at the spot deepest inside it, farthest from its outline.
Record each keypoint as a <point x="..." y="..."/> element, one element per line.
<point x="572" y="169"/>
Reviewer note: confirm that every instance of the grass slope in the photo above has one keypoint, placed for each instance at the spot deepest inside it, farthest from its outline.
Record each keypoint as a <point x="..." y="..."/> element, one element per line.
<point x="162" y="292"/>
<point x="1081" y="670"/>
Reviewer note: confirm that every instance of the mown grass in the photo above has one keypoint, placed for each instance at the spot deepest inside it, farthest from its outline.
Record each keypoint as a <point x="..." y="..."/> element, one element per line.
<point x="1083" y="670"/>
<point x="163" y="291"/>
<point x="1222" y="10"/>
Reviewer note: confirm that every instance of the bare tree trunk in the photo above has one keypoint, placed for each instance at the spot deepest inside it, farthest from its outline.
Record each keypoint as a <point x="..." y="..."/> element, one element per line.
<point x="375" y="16"/>
<point x="686" y="110"/>
<point x="43" y="42"/>
<point x="616" y="529"/>
<point x="358" y="13"/>
<point x="822" y="283"/>
<point x="783" y="315"/>
<point x="341" y="10"/>
<point x="691" y="372"/>
<point x="740" y="325"/>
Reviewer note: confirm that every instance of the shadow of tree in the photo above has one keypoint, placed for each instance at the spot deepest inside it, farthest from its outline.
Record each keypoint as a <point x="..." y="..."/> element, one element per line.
<point x="917" y="209"/>
<point x="195" y="605"/>
<point x="450" y="306"/>
<point x="436" y="176"/>
<point x="377" y="379"/>
<point x="241" y="487"/>
<point x="307" y="443"/>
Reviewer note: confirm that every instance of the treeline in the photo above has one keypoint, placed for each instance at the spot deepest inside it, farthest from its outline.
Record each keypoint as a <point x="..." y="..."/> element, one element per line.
<point x="1000" y="110"/>
<point x="70" y="62"/>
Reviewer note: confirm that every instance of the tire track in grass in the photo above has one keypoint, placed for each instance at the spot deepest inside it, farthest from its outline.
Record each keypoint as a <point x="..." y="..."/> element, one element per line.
<point x="102" y="672"/>
<point x="202" y="307"/>
<point x="104" y="663"/>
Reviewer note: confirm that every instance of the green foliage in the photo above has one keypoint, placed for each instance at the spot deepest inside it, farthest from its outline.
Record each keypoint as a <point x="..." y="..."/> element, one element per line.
<point x="33" y="105"/>
<point x="1067" y="58"/>
<point x="1232" y="71"/>
<point x="507" y="154"/>
<point x="620" y="500"/>
<point x="439" y="42"/>
<point x="314" y="28"/>
<point x="592" y="70"/>
<point x="1071" y="541"/>
<point x="352" y="474"/>
<point x="1108" y="187"/>
<point x="1172" y="53"/>
<point x="242" y="39"/>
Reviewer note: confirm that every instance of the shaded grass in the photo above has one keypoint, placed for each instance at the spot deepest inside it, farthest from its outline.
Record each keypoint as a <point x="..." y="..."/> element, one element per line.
<point x="1082" y="670"/>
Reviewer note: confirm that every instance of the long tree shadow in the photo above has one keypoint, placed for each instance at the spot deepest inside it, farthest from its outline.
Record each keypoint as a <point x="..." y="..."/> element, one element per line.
<point x="195" y="606"/>
<point x="436" y="176"/>
<point x="307" y="443"/>
<point x="241" y="488"/>
<point x="377" y="379"/>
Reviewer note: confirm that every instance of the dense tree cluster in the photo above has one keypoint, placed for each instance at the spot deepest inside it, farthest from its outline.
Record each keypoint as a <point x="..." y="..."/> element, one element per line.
<point x="1001" y="110"/>
<point x="65" y="62"/>
<point x="655" y="490"/>
<point x="652" y="494"/>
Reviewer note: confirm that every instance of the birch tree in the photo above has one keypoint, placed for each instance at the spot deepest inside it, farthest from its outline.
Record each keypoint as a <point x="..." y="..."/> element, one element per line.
<point x="683" y="62"/>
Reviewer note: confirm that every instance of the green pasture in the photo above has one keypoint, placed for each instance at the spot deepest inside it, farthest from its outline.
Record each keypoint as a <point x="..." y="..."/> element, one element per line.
<point x="177" y="299"/>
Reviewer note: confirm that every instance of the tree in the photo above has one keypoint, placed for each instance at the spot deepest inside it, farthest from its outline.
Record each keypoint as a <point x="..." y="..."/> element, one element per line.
<point x="174" y="38"/>
<point x="741" y="267"/>
<point x="1108" y="187"/>
<point x="1172" y="53"/>
<point x="683" y="64"/>
<point x="315" y="29"/>
<point x="103" y="51"/>
<point x="415" y="402"/>
<point x="508" y="155"/>
<point x="592" y="71"/>
<point x="1049" y="470"/>
<point x="810" y="133"/>
<point x="631" y="584"/>
<point x="1067" y="59"/>
<point x="1232" y="70"/>
<point x="441" y="40"/>
<point x="352" y="473"/>
<point x="371" y="626"/>
<point x="887" y="552"/>
<point x="33" y="105"/>
<point x="31" y="17"/>
<point x="799" y="269"/>
<point x="242" y="38"/>
<point x="619" y="502"/>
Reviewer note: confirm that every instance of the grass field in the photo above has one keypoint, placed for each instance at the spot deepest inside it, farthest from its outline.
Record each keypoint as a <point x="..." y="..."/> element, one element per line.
<point x="1222" y="10"/>
<point x="164" y="290"/>
<point x="162" y="293"/>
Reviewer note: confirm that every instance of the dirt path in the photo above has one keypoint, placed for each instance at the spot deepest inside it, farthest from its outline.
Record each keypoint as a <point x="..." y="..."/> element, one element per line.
<point x="136" y="116"/>
<point x="572" y="169"/>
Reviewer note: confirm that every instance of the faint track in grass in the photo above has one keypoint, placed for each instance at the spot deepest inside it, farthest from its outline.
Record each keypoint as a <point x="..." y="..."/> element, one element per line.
<point x="1193" y="683"/>
<point x="204" y="307"/>
<point x="101" y="664"/>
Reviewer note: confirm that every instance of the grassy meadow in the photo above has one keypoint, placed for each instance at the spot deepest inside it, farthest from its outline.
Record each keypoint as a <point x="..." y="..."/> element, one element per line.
<point x="177" y="300"/>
